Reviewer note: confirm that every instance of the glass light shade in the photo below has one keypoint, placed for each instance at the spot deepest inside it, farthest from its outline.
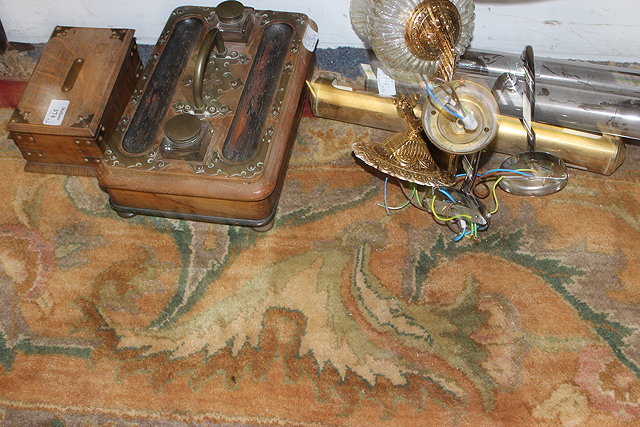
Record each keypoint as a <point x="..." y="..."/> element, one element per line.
<point x="383" y="23"/>
<point x="359" y="12"/>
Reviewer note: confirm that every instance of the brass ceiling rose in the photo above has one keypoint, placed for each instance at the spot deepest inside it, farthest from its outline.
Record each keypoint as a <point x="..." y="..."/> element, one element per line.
<point x="433" y="29"/>
<point x="448" y="132"/>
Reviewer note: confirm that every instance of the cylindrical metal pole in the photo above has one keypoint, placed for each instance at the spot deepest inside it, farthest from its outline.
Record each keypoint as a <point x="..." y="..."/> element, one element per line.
<point x="593" y="152"/>
<point x="579" y="95"/>
<point x="555" y="72"/>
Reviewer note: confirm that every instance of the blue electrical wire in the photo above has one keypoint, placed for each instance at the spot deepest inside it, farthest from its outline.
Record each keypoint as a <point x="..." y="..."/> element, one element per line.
<point x="496" y="170"/>
<point x="506" y="170"/>
<point x="386" y="206"/>
<point x="432" y="95"/>
<point x="448" y="195"/>
<point x="461" y="235"/>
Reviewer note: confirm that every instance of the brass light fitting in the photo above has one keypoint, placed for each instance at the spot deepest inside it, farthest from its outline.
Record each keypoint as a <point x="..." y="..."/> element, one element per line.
<point x="432" y="32"/>
<point x="406" y="155"/>
<point x="593" y="152"/>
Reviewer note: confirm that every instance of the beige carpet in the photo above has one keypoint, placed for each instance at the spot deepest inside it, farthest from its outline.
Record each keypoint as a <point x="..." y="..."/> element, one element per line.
<point x="340" y="315"/>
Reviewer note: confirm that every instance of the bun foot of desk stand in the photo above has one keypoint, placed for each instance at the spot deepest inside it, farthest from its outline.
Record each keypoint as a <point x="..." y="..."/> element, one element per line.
<point x="266" y="227"/>
<point x="125" y="215"/>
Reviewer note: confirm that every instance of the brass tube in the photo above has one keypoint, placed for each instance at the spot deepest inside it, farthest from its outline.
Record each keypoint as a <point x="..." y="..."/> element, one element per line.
<point x="582" y="150"/>
<point x="597" y="153"/>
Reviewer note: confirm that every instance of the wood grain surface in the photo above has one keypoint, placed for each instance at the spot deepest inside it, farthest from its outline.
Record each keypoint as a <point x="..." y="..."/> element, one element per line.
<point x="176" y="186"/>
<point x="107" y="65"/>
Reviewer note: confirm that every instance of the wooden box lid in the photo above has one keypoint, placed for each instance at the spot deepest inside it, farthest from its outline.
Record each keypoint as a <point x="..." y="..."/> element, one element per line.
<point x="70" y="87"/>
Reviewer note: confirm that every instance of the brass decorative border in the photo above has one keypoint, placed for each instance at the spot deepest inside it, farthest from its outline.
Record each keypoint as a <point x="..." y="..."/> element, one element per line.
<point x="150" y="161"/>
<point x="218" y="70"/>
<point x="218" y="167"/>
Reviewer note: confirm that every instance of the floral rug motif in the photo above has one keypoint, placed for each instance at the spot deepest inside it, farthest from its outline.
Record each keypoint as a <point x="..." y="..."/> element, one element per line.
<point x="340" y="315"/>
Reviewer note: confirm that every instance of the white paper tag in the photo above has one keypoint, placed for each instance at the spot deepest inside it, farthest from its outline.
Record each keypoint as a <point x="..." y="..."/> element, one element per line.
<point x="386" y="85"/>
<point x="55" y="113"/>
<point x="310" y="39"/>
<point x="368" y="72"/>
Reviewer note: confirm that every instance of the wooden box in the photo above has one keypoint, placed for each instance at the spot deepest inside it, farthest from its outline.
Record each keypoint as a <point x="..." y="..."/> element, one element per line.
<point x="209" y="130"/>
<point x="3" y="40"/>
<point x="75" y="98"/>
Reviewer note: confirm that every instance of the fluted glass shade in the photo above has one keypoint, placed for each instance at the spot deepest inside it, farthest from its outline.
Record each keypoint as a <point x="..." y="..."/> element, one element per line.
<point x="414" y="38"/>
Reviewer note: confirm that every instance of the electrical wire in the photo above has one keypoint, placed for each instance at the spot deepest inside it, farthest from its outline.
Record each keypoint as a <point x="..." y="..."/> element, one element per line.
<point x="453" y="94"/>
<point x="517" y="171"/>
<point x="443" y="191"/>
<point x="495" y="196"/>
<point x="417" y="204"/>
<point x="394" y="208"/>
<point x="415" y="191"/>
<point x="435" y="98"/>
<point x="456" y="223"/>
<point x="495" y="185"/>
<point x="385" y="205"/>
<point x="433" y="211"/>
<point x="461" y="235"/>
<point x="481" y="184"/>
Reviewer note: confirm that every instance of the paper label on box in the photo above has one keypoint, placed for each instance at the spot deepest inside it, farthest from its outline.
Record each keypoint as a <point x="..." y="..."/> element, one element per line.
<point x="55" y="113"/>
<point x="310" y="39"/>
<point x="386" y="85"/>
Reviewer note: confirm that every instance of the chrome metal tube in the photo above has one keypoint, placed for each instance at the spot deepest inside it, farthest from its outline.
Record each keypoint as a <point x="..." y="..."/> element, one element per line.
<point x="572" y="107"/>
<point x="579" y="95"/>
<point x="555" y="72"/>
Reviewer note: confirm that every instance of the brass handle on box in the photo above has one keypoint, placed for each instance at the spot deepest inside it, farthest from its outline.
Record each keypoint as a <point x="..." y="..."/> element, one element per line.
<point x="72" y="75"/>
<point x="213" y="36"/>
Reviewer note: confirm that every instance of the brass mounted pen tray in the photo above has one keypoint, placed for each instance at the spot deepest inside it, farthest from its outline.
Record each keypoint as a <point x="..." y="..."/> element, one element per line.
<point x="208" y="130"/>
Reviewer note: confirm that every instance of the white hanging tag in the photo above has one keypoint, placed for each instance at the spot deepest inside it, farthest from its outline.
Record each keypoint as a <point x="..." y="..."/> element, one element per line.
<point x="386" y="85"/>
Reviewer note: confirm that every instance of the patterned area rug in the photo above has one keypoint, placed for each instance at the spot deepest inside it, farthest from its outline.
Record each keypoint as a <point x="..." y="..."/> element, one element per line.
<point x="340" y="315"/>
